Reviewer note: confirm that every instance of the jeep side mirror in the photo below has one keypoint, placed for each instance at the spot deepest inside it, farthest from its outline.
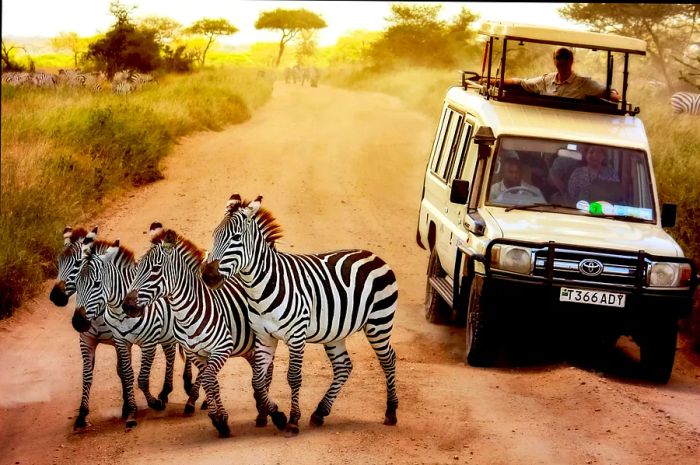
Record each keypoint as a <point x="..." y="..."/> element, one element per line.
<point x="668" y="215"/>
<point x="459" y="193"/>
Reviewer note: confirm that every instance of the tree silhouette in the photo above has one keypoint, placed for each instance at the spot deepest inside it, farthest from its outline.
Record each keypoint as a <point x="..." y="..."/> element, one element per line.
<point x="211" y="29"/>
<point x="289" y="22"/>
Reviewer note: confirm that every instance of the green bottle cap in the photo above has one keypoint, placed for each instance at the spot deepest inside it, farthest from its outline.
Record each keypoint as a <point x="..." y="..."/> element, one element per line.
<point x="595" y="208"/>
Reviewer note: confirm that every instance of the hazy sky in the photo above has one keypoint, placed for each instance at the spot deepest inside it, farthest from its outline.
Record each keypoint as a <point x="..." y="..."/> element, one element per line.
<point x="88" y="17"/>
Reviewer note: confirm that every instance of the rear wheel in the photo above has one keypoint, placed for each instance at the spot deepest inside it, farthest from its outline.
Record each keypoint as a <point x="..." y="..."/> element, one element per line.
<point x="657" y="348"/>
<point x="436" y="309"/>
<point x="479" y="331"/>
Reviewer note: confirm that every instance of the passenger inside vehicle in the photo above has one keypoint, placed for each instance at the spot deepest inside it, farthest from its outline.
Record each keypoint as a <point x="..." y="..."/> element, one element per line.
<point x="512" y="187"/>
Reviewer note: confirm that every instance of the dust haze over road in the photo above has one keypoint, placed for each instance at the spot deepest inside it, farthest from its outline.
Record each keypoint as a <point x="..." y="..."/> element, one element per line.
<point x="339" y="169"/>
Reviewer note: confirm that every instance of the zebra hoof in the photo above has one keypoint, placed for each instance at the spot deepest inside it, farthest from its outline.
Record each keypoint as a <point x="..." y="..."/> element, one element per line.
<point x="157" y="404"/>
<point x="390" y="419"/>
<point x="261" y="421"/>
<point x="188" y="386"/>
<point x="221" y="425"/>
<point x="130" y="423"/>
<point x="291" y="430"/>
<point x="80" y="423"/>
<point x="279" y="419"/>
<point x="204" y="405"/>
<point x="316" y="420"/>
<point x="189" y="410"/>
<point x="163" y="396"/>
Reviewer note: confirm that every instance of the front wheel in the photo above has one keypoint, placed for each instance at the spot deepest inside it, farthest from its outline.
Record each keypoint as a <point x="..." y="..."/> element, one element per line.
<point x="436" y="309"/>
<point x="657" y="348"/>
<point x="479" y="331"/>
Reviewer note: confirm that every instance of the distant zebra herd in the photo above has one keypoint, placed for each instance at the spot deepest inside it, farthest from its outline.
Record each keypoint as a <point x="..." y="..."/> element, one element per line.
<point x="301" y="74"/>
<point x="122" y="83"/>
<point x="238" y="301"/>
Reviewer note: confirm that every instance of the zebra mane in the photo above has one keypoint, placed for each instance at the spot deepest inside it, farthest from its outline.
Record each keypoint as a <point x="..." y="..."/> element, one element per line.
<point x="125" y="253"/>
<point x="269" y="227"/>
<point x="77" y="234"/>
<point x="188" y="246"/>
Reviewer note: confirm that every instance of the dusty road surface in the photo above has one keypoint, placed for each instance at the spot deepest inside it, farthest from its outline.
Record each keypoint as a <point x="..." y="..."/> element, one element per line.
<point x="339" y="169"/>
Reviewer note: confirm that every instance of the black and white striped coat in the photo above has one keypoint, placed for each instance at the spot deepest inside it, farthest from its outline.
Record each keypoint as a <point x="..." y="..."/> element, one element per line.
<point x="299" y="299"/>
<point x="101" y="287"/>
<point x="685" y="102"/>
<point x="210" y="325"/>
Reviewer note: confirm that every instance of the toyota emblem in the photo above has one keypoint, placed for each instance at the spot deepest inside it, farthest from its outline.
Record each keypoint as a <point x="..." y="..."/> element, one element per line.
<point x="590" y="267"/>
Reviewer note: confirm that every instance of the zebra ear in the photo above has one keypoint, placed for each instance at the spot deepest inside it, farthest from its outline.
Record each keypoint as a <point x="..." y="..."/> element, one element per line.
<point x="92" y="234"/>
<point x="155" y="229"/>
<point x="253" y="207"/>
<point x="67" y="233"/>
<point x="112" y="250"/>
<point x="233" y="204"/>
<point x="169" y="239"/>
<point x="88" y="246"/>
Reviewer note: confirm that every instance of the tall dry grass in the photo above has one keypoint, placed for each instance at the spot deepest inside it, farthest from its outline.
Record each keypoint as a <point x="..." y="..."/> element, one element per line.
<point x="674" y="141"/>
<point x="64" y="150"/>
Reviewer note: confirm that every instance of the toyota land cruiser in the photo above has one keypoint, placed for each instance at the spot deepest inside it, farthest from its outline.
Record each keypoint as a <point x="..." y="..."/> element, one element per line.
<point x="515" y="221"/>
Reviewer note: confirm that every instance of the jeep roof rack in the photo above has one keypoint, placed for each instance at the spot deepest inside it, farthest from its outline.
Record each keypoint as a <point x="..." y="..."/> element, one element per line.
<point x="521" y="33"/>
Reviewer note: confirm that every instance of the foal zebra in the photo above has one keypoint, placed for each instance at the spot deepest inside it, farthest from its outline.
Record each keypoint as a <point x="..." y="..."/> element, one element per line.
<point x="101" y="287"/>
<point x="211" y="325"/>
<point x="299" y="299"/>
<point x="685" y="102"/>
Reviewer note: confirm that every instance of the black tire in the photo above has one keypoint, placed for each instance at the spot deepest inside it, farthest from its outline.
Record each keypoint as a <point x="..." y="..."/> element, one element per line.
<point x="479" y="329"/>
<point x="436" y="309"/>
<point x="657" y="349"/>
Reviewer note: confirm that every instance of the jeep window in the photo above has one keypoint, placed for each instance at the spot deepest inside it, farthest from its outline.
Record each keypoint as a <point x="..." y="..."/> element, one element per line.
<point x="578" y="178"/>
<point x="446" y="146"/>
<point x="461" y="159"/>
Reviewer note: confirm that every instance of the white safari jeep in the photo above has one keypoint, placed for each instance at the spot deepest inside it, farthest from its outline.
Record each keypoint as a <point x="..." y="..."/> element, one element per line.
<point x="537" y="205"/>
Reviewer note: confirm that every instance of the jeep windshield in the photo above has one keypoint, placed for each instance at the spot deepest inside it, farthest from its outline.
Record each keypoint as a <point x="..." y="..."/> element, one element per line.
<point x="571" y="177"/>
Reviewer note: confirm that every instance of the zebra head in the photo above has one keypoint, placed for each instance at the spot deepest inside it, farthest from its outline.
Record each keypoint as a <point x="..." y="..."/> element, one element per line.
<point x="69" y="264"/>
<point x="150" y="282"/>
<point x="91" y="296"/>
<point x="234" y="241"/>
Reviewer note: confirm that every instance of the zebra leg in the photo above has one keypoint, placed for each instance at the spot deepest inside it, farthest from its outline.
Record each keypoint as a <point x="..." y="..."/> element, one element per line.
<point x="342" y="367"/>
<point x="187" y="374"/>
<point x="296" y="356"/>
<point x="87" y="350"/>
<point x="378" y="334"/>
<point x="126" y="374"/>
<point x="194" y="390"/>
<point x="148" y="353"/>
<point x="262" y="376"/>
<point x="217" y="413"/>
<point x="261" y="419"/>
<point x="169" y="351"/>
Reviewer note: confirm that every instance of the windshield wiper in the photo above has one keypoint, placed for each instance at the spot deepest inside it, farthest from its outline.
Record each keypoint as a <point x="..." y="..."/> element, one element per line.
<point x="539" y="205"/>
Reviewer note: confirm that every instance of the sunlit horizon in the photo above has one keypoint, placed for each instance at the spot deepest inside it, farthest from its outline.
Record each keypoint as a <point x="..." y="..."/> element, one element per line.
<point x="20" y="19"/>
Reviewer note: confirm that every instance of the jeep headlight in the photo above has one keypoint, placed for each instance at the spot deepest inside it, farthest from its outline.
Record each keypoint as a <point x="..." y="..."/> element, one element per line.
<point x="511" y="258"/>
<point x="665" y="274"/>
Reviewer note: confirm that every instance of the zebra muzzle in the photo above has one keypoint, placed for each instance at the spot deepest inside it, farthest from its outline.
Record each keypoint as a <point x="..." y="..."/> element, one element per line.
<point x="58" y="294"/>
<point x="211" y="275"/>
<point x="80" y="321"/>
<point x="130" y="306"/>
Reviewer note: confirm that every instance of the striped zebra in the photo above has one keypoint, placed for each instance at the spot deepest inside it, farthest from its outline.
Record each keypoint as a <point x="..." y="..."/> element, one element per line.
<point x="685" y="102"/>
<point x="16" y="79"/>
<point x="211" y="325"/>
<point x="101" y="286"/>
<point x="122" y="87"/>
<point x="91" y="333"/>
<point x="44" y="80"/>
<point x="300" y="299"/>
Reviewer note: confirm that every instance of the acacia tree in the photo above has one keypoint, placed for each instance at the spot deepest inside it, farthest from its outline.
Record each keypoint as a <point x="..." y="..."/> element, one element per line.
<point x="290" y="23"/>
<point x="211" y="29"/>
<point x="72" y="42"/>
<point x="8" y="64"/>
<point x="667" y="28"/>
<point x="164" y="29"/>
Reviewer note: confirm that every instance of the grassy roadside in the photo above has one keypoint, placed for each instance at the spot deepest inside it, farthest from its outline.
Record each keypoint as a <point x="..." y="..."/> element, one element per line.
<point x="64" y="150"/>
<point x="674" y="141"/>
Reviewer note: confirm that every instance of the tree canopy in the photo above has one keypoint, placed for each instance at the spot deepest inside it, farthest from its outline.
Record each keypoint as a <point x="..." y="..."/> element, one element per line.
<point x="667" y="28"/>
<point x="289" y="22"/>
<point x="211" y="29"/>
<point x="71" y="42"/>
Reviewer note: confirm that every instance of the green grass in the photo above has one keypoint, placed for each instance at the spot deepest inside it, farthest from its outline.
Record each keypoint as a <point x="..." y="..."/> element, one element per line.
<point x="65" y="150"/>
<point x="674" y="141"/>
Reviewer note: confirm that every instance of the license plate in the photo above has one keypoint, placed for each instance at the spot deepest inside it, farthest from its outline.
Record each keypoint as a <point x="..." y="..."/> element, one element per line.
<point x="585" y="296"/>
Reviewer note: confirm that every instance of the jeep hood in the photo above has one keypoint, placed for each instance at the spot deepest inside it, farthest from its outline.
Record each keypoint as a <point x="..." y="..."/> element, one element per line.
<point x="539" y="226"/>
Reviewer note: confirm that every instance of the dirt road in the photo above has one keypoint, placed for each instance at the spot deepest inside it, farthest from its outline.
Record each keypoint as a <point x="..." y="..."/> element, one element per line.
<point x="339" y="169"/>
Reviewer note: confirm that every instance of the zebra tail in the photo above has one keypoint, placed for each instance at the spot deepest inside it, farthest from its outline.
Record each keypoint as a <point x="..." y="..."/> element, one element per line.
<point x="182" y="352"/>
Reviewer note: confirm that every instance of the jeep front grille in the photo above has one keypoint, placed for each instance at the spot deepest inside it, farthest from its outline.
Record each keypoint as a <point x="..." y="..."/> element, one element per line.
<point x="617" y="269"/>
